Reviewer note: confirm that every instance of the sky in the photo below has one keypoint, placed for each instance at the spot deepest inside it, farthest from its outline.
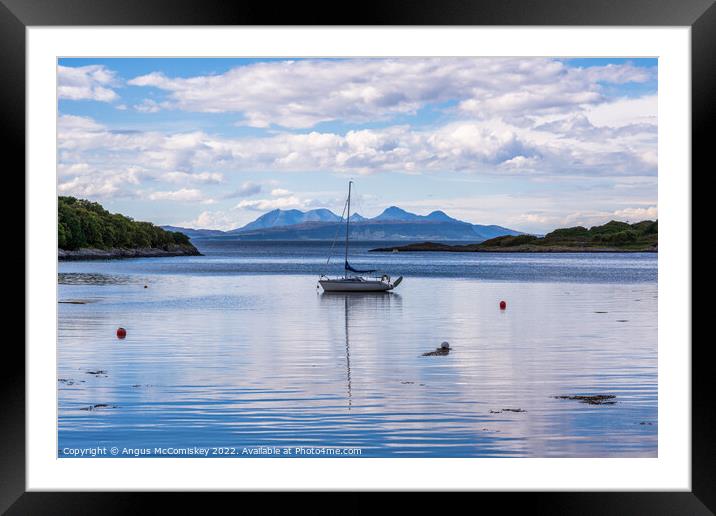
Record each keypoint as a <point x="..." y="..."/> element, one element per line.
<point x="532" y="144"/>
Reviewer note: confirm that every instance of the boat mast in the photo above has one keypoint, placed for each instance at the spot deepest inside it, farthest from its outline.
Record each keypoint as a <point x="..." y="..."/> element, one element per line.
<point x="348" y="223"/>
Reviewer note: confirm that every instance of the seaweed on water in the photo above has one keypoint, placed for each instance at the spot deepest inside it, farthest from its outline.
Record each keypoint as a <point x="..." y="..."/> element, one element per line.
<point x="88" y="278"/>
<point x="591" y="399"/>
<point x="98" y="406"/>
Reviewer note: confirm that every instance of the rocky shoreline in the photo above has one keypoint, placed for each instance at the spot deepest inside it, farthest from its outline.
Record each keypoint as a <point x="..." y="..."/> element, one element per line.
<point x="479" y="248"/>
<point x="116" y="253"/>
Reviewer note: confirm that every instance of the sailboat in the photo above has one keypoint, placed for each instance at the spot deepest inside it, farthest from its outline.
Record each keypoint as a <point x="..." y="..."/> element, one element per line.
<point x="353" y="279"/>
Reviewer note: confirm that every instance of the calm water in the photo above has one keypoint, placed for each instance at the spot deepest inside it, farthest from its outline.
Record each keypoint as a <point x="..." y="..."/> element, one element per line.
<point x="239" y="350"/>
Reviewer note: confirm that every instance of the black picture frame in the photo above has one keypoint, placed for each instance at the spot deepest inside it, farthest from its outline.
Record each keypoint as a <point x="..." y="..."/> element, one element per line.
<point x="700" y="15"/>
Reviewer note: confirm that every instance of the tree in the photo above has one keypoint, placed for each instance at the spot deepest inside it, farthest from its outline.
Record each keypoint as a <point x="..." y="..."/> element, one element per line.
<point x="82" y="223"/>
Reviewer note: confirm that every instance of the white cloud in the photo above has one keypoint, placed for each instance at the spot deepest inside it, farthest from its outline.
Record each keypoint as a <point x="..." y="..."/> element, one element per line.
<point x="70" y="123"/>
<point x="245" y="211"/>
<point x="151" y="79"/>
<point x="89" y="187"/>
<point x="301" y="94"/>
<point x="637" y="214"/>
<point x="247" y="189"/>
<point x="284" y="203"/>
<point x="545" y="208"/>
<point x="148" y="106"/>
<point x="84" y="181"/>
<point x="223" y="220"/>
<point x="183" y="195"/>
<point x="618" y="74"/>
<point x="185" y="177"/>
<point x="73" y="169"/>
<point x="521" y="163"/>
<point x="530" y="117"/>
<point x="540" y="221"/>
<point x="91" y="82"/>
<point x="567" y="144"/>
<point x="623" y="112"/>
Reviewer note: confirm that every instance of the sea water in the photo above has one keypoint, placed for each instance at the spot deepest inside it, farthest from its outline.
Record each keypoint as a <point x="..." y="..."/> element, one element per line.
<point x="238" y="354"/>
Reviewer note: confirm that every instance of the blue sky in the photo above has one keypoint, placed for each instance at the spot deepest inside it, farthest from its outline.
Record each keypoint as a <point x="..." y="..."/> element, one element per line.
<point x="528" y="143"/>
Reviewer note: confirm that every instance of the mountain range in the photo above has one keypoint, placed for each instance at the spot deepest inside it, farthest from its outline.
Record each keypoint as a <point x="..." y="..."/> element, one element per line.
<point x="322" y="224"/>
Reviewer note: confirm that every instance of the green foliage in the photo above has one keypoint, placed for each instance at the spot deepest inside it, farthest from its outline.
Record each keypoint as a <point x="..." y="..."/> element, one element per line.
<point x="647" y="227"/>
<point x="614" y="234"/>
<point x="620" y="237"/>
<point x="568" y="233"/>
<point x="83" y="223"/>
<point x="611" y="234"/>
<point x="510" y="241"/>
<point x="612" y="226"/>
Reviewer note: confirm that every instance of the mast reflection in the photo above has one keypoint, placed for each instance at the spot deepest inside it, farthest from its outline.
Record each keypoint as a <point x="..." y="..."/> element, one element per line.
<point x="355" y="304"/>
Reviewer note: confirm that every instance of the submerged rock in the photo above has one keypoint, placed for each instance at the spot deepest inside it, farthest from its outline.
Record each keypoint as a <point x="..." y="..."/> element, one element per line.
<point x="444" y="349"/>
<point x="437" y="353"/>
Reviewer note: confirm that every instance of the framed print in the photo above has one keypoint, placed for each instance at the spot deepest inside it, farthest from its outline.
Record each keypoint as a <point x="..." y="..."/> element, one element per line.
<point x="417" y="250"/>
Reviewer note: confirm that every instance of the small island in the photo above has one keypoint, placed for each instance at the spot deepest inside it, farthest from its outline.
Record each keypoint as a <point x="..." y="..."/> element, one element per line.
<point x="612" y="237"/>
<point x="86" y="231"/>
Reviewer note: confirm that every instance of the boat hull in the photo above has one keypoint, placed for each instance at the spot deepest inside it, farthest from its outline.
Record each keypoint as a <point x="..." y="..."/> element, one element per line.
<point x="339" y="285"/>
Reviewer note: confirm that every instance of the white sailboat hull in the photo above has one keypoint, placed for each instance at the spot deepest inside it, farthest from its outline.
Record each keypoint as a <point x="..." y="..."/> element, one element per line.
<point x="354" y="285"/>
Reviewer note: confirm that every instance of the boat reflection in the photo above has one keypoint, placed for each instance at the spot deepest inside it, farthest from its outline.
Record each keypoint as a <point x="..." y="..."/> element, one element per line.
<point x="358" y="303"/>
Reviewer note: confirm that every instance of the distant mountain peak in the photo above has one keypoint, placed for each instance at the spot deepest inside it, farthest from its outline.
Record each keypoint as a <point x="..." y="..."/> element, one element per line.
<point x="279" y="217"/>
<point x="395" y="213"/>
<point x="439" y="215"/>
<point x="394" y="222"/>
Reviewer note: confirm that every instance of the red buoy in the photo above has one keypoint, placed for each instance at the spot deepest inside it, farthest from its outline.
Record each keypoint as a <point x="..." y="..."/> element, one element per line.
<point x="503" y="305"/>
<point x="121" y="333"/>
